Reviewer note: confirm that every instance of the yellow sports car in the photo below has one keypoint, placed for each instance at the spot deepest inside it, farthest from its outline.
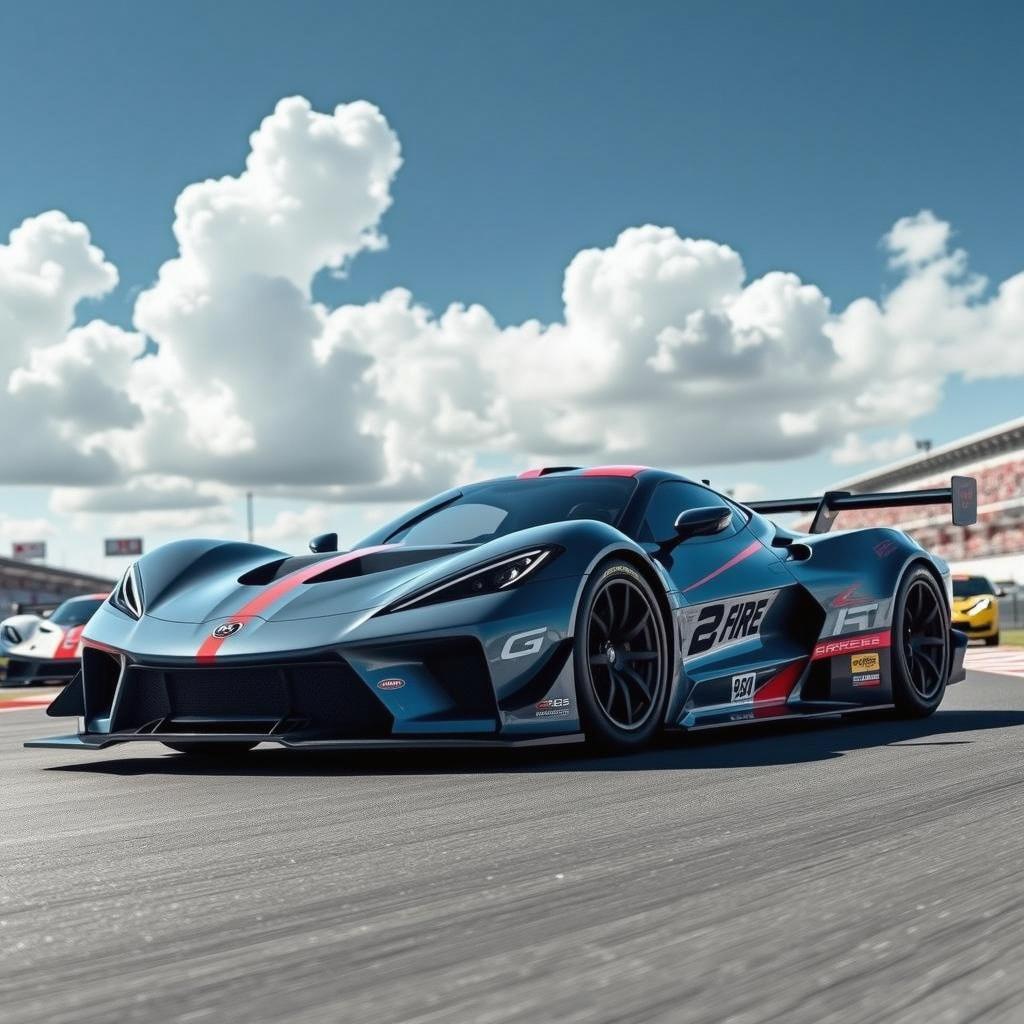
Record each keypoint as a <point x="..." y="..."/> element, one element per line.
<point x="975" y="608"/>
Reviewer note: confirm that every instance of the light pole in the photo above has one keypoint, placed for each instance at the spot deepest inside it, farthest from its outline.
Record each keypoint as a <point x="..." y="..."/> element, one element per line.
<point x="249" y="515"/>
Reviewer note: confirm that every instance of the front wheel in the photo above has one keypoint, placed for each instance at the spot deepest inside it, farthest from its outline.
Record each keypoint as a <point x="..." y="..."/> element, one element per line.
<point x="921" y="655"/>
<point x="211" y="749"/>
<point x="992" y="641"/>
<point x="621" y="655"/>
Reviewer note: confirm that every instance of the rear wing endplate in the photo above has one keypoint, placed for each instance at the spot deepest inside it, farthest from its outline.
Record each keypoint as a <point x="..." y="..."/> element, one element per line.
<point x="962" y="495"/>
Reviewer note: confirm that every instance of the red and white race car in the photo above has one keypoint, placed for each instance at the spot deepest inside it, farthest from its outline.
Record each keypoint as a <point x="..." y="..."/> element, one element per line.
<point x="46" y="649"/>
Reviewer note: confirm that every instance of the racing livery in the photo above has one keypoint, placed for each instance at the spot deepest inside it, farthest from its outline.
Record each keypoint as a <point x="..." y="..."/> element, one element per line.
<point x="602" y="604"/>
<point x="40" y="649"/>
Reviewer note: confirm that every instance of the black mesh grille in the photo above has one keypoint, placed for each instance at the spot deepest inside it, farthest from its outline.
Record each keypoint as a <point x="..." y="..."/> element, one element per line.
<point x="321" y="698"/>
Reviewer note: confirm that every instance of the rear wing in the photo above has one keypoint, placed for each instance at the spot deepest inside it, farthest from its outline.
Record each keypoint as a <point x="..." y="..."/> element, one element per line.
<point x="962" y="495"/>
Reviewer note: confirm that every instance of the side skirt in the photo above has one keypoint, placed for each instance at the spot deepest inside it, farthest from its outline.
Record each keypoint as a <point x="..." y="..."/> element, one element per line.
<point x="777" y="713"/>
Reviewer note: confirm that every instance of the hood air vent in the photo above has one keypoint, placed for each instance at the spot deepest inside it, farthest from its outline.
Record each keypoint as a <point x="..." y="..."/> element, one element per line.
<point x="381" y="561"/>
<point x="272" y="571"/>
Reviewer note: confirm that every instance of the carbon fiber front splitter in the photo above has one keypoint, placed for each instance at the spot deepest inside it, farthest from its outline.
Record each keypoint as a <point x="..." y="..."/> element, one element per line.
<point x="97" y="741"/>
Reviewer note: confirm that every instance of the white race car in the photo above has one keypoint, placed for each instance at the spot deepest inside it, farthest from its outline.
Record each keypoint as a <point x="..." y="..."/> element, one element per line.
<point x="42" y="650"/>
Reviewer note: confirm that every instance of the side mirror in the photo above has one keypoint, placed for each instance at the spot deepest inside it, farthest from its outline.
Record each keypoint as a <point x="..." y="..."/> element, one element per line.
<point x="699" y="522"/>
<point x="324" y="542"/>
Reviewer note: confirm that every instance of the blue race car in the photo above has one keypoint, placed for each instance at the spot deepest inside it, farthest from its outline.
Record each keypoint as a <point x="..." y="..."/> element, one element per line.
<point x="603" y="604"/>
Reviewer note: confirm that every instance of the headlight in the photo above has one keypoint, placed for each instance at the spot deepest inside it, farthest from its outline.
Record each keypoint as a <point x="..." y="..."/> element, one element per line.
<point x="11" y="635"/>
<point x="487" y="579"/>
<point x="979" y="606"/>
<point x="127" y="595"/>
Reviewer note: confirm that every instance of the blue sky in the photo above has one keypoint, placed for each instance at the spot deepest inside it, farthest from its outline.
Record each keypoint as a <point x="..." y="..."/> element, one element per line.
<point x="796" y="133"/>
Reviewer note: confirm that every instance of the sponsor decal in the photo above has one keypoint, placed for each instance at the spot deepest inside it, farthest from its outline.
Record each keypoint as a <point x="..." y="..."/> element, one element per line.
<point x="553" y="707"/>
<point x="521" y="645"/>
<point x="855" y="618"/>
<point x="727" y="622"/>
<point x="851" y="645"/>
<point x="391" y="684"/>
<point x="965" y="499"/>
<point x="226" y="629"/>
<point x="871" y="679"/>
<point x="883" y="549"/>
<point x="864" y="663"/>
<point x="743" y="686"/>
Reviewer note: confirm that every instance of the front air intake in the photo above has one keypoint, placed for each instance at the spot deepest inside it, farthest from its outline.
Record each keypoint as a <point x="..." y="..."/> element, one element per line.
<point x="323" y="698"/>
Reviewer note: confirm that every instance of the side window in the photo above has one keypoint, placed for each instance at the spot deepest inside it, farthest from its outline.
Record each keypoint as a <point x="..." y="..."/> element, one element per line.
<point x="673" y="496"/>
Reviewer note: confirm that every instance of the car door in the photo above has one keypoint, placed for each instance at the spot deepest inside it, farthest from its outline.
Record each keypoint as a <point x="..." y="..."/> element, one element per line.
<point x="733" y="594"/>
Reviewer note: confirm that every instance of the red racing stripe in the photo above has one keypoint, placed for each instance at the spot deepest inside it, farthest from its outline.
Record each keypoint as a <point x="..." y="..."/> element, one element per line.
<point x="68" y="646"/>
<point x="780" y="686"/>
<point x="613" y="470"/>
<point x="749" y="550"/>
<point x="209" y="648"/>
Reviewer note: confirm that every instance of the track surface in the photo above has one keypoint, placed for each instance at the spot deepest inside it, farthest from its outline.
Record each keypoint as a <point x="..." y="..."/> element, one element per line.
<point x="860" y="871"/>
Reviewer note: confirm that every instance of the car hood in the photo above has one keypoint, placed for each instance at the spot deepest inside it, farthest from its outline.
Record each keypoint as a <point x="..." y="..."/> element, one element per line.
<point x="271" y="585"/>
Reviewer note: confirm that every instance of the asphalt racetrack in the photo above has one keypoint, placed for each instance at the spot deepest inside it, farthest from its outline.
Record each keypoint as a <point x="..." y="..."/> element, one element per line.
<point x="852" y="871"/>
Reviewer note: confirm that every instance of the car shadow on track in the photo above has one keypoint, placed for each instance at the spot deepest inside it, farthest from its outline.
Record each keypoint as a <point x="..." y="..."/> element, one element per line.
<point x="758" y="745"/>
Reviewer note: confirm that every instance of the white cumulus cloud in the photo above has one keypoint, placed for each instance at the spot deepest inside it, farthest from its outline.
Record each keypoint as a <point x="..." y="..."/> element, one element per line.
<point x="60" y="388"/>
<point x="855" y="449"/>
<point x="666" y="351"/>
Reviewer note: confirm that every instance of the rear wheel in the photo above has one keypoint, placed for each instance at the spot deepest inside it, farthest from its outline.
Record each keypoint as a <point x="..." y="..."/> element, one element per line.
<point x="621" y="658"/>
<point x="208" y="749"/>
<point x="920" y="645"/>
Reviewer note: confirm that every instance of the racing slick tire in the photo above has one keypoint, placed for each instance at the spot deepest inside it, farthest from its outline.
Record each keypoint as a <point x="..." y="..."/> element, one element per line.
<point x="621" y="659"/>
<point x="992" y="641"/>
<point x="921" y="649"/>
<point x="203" y="749"/>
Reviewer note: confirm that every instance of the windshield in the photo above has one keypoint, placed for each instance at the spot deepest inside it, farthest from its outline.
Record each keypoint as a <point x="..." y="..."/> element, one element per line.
<point x="76" y="612"/>
<point x="971" y="586"/>
<point x="508" y="506"/>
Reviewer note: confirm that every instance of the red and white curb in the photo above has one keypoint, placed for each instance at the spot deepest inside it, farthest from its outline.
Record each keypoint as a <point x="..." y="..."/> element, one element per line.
<point x="1004" y="661"/>
<point x="25" y="703"/>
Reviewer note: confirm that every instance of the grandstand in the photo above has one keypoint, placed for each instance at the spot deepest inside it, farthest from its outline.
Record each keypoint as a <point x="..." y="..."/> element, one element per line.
<point x="28" y="584"/>
<point x="995" y="457"/>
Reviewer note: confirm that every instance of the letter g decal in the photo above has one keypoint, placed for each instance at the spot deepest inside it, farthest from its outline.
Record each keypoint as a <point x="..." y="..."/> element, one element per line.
<point x="520" y="645"/>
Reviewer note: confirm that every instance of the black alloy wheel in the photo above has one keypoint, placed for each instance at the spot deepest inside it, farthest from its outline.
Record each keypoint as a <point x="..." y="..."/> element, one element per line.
<point x="622" y="659"/>
<point x="921" y="645"/>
